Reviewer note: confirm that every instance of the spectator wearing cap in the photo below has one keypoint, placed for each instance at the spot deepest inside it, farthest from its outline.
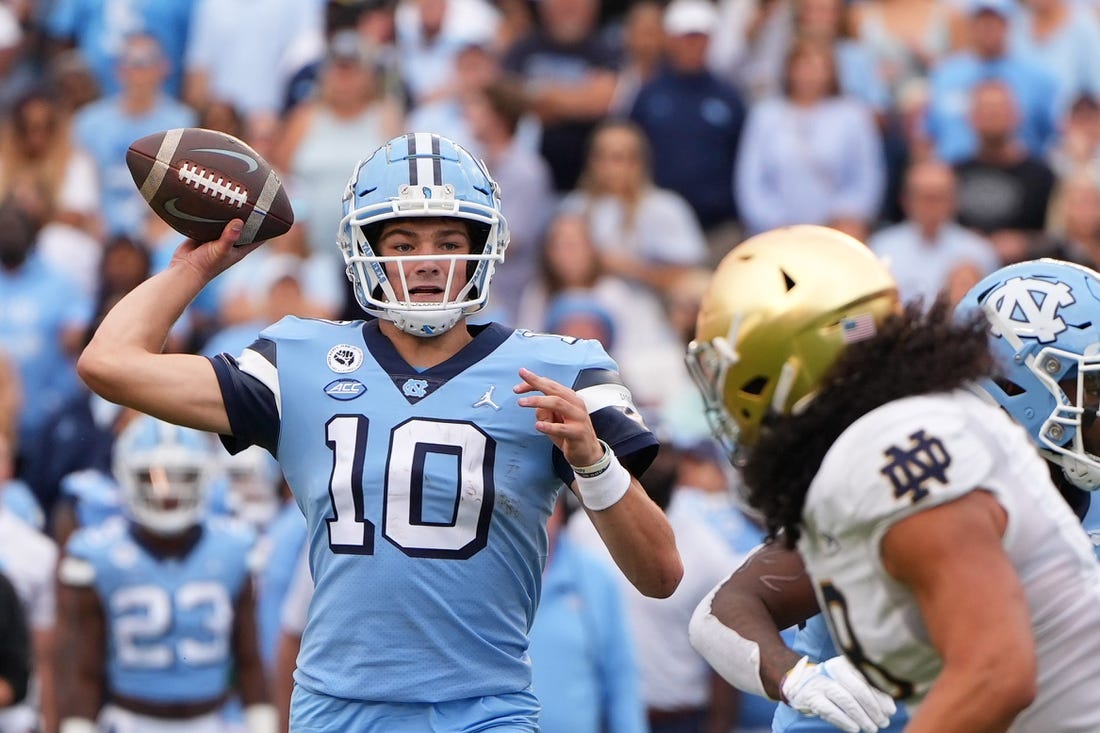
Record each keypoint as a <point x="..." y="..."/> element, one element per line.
<point x="988" y="56"/>
<point x="98" y="30"/>
<point x="693" y="121"/>
<point x="580" y="315"/>
<point x="105" y="128"/>
<point x="1064" y="38"/>
<point x="348" y="113"/>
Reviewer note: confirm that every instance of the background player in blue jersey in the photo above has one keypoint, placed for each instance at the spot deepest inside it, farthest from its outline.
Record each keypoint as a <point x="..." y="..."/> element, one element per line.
<point x="426" y="473"/>
<point x="736" y="626"/>
<point x="158" y="607"/>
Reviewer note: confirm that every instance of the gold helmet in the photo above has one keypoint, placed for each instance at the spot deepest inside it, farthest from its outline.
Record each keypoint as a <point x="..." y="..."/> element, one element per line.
<point x="779" y="310"/>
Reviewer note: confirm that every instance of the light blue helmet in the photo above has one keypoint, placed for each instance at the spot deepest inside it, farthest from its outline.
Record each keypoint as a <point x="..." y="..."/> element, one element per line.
<point x="164" y="472"/>
<point x="1044" y="319"/>
<point x="421" y="175"/>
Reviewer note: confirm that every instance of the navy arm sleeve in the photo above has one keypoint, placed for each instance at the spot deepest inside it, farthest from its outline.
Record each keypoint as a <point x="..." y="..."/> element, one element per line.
<point x="250" y="404"/>
<point x="616" y="421"/>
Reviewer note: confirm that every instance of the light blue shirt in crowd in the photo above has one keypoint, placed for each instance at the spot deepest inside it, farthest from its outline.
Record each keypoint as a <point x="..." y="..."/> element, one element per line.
<point x="921" y="267"/>
<point x="1071" y="54"/>
<point x="947" y="120"/>
<point x="37" y="305"/>
<point x="100" y="29"/>
<point x="582" y="654"/>
<point x="105" y="131"/>
<point x="808" y="165"/>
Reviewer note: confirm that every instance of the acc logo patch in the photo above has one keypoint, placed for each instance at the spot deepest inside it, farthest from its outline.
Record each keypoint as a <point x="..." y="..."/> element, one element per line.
<point x="344" y="358"/>
<point x="344" y="389"/>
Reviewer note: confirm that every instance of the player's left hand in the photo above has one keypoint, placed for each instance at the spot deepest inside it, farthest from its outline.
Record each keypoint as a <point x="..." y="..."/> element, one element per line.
<point x="838" y="693"/>
<point x="562" y="416"/>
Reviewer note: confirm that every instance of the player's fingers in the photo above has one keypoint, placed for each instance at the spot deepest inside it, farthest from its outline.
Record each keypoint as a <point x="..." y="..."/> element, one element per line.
<point x="231" y="233"/>
<point x="546" y="385"/>
<point x="832" y="713"/>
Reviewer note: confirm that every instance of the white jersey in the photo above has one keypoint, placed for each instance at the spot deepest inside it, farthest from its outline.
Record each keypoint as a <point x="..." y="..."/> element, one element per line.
<point x="920" y="452"/>
<point x="29" y="559"/>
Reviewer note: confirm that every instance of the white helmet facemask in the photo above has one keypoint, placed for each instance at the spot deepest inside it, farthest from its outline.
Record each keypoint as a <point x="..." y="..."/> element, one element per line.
<point x="421" y="175"/>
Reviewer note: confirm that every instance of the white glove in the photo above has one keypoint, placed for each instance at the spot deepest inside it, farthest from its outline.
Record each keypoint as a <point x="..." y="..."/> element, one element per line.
<point x="838" y="693"/>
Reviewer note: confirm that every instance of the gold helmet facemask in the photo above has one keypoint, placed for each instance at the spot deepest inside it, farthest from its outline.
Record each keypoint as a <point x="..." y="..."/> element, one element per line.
<point x="778" y="312"/>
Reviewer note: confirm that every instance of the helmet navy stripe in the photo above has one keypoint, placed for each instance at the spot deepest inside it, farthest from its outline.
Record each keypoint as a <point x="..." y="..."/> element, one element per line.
<point x="411" y="139"/>
<point x="437" y="162"/>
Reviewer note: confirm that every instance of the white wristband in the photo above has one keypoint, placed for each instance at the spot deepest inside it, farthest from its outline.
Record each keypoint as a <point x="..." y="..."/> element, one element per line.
<point x="607" y="486"/>
<point x="77" y="725"/>
<point x="261" y="718"/>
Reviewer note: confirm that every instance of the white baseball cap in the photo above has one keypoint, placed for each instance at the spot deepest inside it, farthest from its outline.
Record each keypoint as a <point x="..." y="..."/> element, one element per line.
<point x="683" y="17"/>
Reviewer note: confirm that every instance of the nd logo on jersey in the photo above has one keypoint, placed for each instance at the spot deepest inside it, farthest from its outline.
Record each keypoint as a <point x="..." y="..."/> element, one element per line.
<point x="909" y="469"/>
<point x="1030" y="307"/>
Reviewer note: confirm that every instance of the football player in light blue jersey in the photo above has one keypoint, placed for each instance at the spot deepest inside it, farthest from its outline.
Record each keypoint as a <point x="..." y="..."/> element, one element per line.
<point x="1049" y="363"/>
<point x="426" y="453"/>
<point x="158" y="606"/>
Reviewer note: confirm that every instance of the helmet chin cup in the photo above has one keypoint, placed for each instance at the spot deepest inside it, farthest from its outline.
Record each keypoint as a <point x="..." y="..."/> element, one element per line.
<point x="425" y="323"/>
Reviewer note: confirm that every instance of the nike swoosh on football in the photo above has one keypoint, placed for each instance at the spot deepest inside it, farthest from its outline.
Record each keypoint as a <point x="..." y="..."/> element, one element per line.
<point x="252" y="164"/>
<point x="170" y="207"/>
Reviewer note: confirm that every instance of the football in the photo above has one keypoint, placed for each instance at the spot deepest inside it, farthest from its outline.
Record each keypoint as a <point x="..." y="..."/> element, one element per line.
<point x="197" y="180"/>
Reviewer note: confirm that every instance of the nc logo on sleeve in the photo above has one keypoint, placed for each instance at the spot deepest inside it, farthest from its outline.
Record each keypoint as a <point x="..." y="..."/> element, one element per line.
<point x="1030" y="306"/>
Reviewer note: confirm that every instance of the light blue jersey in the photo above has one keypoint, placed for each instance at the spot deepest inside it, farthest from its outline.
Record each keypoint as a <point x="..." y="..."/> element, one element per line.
<point x="279" y="550"/>
<point x="426" y="495"/>
<point x="169" y="621"/>
<point x="813" y="640"/>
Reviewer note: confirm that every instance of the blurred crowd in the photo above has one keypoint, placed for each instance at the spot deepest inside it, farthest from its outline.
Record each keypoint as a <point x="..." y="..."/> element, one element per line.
<point x="635" y="142"/>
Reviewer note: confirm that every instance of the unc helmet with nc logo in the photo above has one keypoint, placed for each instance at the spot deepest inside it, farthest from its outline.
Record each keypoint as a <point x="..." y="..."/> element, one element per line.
<point x="1044" y="318"/>
<point x="421" y="175"/>
<point x="779" y="311"/>
<point x="165" y="472"/>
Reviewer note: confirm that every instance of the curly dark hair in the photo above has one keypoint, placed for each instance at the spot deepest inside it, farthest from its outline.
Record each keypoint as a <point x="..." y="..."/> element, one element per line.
<point x="915" y="352"/>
